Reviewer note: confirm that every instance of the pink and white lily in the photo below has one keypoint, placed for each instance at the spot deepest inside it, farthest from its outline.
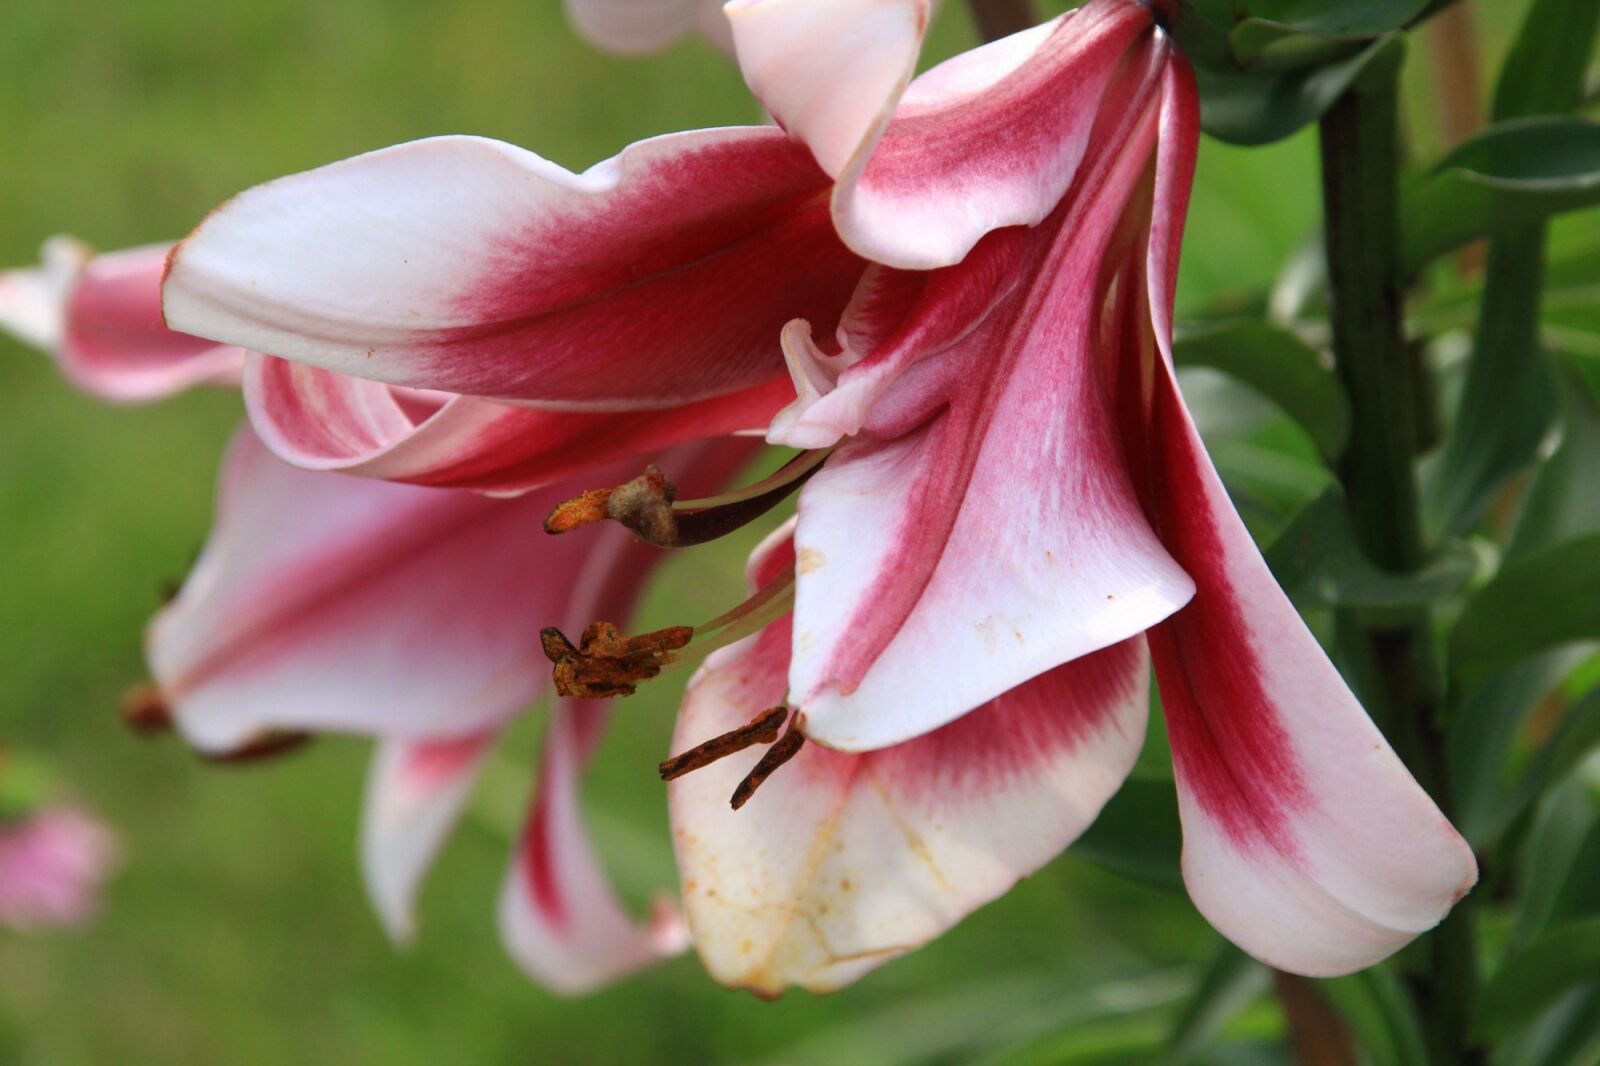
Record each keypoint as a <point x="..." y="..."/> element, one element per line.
<point x="329" y="603"/>
<point x="969" y="280"/>
<point x="53" y="862"/>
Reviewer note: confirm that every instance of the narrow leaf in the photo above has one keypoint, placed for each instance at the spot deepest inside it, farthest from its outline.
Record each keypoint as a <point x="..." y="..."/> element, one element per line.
<point x="1533" y="980"/>
<point x="1137" y="834"/>
<point x="1545" y="599"/>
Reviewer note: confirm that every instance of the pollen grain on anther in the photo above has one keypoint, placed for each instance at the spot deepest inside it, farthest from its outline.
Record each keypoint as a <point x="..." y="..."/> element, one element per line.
<point x="762" y="729"/>
<point x="605" y="663"/>
<point x="786" y="748"/>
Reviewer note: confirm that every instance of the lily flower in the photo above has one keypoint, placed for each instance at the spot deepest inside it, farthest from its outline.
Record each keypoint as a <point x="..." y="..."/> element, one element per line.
<point x="53" y="862"/>
<point x="1004" y="498"/>
<point x="325" y="603"/>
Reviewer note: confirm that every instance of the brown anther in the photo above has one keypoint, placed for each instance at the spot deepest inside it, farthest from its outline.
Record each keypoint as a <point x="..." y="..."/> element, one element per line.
<point x="781" y="752"/>
<point x="264" y="746"/>
<point x="605" y="663"/>
<point x="583" y="510"/>
<point x="643" y="505"/>
<point x="762" y="729"/>
<point x="144" y="709"/>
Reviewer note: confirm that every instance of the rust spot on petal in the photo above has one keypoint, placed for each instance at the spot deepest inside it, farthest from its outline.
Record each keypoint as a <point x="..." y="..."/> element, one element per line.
<point x="605" y="663"/>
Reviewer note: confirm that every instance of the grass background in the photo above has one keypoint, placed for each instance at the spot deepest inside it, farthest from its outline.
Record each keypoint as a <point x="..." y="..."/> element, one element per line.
<point x="236" y="930"/>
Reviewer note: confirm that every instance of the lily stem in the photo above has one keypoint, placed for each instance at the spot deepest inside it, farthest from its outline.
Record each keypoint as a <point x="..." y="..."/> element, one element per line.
<point x="1381" y="375"/>
<point x="1001" y="18"/>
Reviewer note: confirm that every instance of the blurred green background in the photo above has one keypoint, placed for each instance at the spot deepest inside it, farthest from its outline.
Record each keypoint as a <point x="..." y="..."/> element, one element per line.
<point x="236" y="930"/>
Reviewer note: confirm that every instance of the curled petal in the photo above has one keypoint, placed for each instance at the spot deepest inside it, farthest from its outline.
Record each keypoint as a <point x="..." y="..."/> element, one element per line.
<point x="100" y="316"/>
<point x="635" y="27"/>
<point x="1008" y="536"/>
<point x="415" y="794"/>
<point x="1306" y="841"/>
<point x="559" y="917"/>
<point x="842" y="862"/>
<point x="991" y="138"/>
<point x="325" y="421"/>
<point x="659" y="277"/>
<point x="830" y="71"/>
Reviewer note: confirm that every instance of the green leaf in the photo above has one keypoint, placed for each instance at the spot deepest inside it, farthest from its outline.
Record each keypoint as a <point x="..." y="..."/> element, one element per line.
<point x="1382" y="1015"/>
<point x="1571" y="1035"/>
<point x="1573" y="740"/>
<point x="1231" y="982"/>
<point x="1556" y="863"/>
<point x="1286" y="34"/>
<point x="1317" y="561"/>
<point x="1509" y="399"/>
<point x="1137" y="834"/>
<point x="1544" y="71"/>
<point x="1513" y="175"/>
<point x="1250" y="109"/>
<point x="1279" y="365"/>
<point x="1531" y="981"/>
<point x="1545" y="599"/>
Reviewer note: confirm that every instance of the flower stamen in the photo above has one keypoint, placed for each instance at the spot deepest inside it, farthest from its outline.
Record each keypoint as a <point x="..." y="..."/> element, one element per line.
<point x="605" y="663"/>
<point x="762" y="729"/>
<point x="787" y="747"/>
<point x="649" y="507"/>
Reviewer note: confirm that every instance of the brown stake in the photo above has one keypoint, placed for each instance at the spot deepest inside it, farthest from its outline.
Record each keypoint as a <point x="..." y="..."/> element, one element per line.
<point x="762" y="729"/>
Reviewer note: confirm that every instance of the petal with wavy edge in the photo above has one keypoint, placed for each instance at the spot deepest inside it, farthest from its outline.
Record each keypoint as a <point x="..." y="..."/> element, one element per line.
<point x="559" y="917"/>
<point x="416" y="790"/>
<point x="635" y="27"/>
<point x="830" y="71"/>
<point x="1007" y="535"/>
<point x="659" y="277"/>
<point x="325" y="602"/>
<point x="100" y="317"/>
<point x="842" y="862"/>
<point x="991" y="138"/>
<point x="325" y="421"/>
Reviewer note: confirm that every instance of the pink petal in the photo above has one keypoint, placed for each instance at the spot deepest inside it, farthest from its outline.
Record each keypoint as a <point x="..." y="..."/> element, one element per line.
<point x="326" y="602"/>
<point x="830" y="71"/>
<point x="842" y="862"/>
<point x="559" y="917"/>
<point x="989" y="139"/>
<point x="1007" y="537"/>
<point x="659" y="277"/>
<point x="416" y="791"/>
<point x="326" y="421"/>
<point x="634" y="27"/>
<point x="100" y="315"/>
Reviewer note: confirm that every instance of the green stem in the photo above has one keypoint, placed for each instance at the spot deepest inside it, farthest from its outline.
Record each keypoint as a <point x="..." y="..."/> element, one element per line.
<point x="1360" y="176"/>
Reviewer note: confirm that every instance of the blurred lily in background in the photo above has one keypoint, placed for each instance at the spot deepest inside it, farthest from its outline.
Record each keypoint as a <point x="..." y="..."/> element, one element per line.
<point x="631" y="27"/>
<point x="1004" y="497"/>
<point x="54" y="856"/>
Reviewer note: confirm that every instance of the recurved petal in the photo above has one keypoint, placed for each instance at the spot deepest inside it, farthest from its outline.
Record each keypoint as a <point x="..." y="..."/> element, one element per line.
<point x="991" y="138"/>
<point x="100" y="316"/>
<point x="635" y="27"/>
<point x="842" y="862"/>
<point x="325" y="421"/>
<point x="331" y="603"/>
<point x="830" y="71"/>
<point x="416" y="790"/>
<point x="559" y="917"/>
<point x="659" y="277"/>
<point x="1306" y="841"/>
<point x="1006" y="534"/>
